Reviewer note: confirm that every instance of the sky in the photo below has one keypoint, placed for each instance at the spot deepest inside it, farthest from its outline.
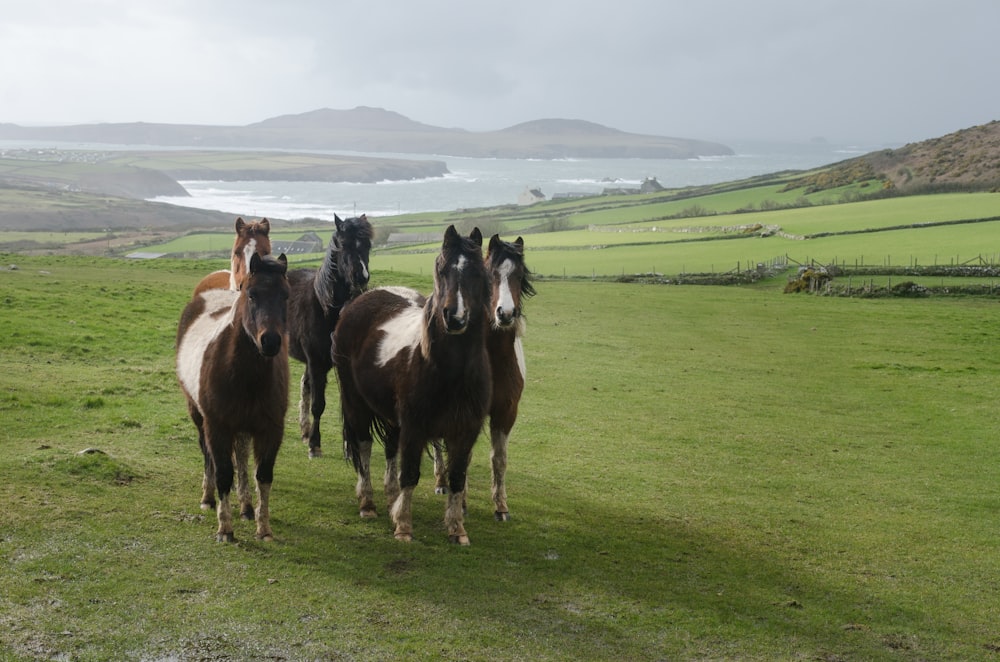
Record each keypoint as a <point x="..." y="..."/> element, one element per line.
<point x="873" y="72"/>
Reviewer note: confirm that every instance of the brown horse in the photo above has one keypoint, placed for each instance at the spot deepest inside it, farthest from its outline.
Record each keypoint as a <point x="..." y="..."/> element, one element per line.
<point x="412" y="370"/>
<point x="250" y="238"/>
<point x="318" y="295"/>
<point x="511" y="286"/>
<point x="232" y="364"/>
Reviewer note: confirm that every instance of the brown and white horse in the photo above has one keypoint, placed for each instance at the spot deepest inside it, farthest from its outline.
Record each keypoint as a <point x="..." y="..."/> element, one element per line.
<point x="232" y="364"/>
<point x="511" y="285"/>
<point x="412" y="370"/>
<point x="318" y="295"/>
<point x="250" y="238"/>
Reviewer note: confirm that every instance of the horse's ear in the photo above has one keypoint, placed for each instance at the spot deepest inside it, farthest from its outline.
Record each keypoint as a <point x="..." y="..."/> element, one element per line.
<point x="255" y="260"/>
<point x="265" y="226"/>
<point x="363" y="217"/>
<point x="283" y="260"/>
<point x="240" y="224"/>
<point x="476" y="236"/>
<point x="450" y="235"/>
<point x="339" y="223"/>
<point x="494" y="243"/>
<point x="519" y="244"/>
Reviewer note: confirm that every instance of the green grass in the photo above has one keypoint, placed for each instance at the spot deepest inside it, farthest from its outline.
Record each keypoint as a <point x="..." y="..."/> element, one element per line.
<point x="697" y="473"/>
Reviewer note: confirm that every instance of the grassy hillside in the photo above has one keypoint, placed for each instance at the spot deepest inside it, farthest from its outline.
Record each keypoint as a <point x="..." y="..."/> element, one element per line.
<point x="697" y="473"/>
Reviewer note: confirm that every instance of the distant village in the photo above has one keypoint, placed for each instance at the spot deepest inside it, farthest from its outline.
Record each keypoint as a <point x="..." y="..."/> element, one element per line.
<point x="532" y="195"/>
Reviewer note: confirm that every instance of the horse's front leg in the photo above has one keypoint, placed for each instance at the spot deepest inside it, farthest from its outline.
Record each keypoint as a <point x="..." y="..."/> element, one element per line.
<point x="241" y="458"/>
<point x="318" y="380"/>
<point x="498" y="461"/>
<point x="459" y="453"/>
<point x="265" y="453"/>
<point x="221" y="448"/>
<point x="410" y="453"/>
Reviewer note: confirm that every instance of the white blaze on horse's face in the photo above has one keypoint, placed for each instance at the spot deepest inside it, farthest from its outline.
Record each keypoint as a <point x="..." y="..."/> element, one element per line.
<point x="460" y="311"/>
<point x="505" y="311"/>
<point x="235" y="279"/>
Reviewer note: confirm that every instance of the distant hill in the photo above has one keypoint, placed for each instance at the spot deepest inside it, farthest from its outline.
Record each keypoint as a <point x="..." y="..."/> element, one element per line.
<point x="366" y="129"/>
<point x="964" y="160"/>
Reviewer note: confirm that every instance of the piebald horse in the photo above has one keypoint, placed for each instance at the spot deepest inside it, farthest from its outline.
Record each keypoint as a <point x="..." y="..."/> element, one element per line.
<point x="250" y="238"/>
<point x="232" y="365"/>
<point x="413" y="370"/>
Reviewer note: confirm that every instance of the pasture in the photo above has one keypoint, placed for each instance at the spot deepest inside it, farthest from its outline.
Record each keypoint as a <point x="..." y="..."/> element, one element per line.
<point x="696" y="473"/>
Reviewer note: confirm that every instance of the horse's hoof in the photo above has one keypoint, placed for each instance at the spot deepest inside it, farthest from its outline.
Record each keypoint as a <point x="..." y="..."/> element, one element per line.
<point x="501" y="517"/>
<point x="225" y="537"/>
<point x="315" y="452"/>
<point x="440" y="490"/>
<point x="247" y="514"/>
<point x="267" y="537"/>
<point x="459" y="539"/>
<point x="208" y="505"/>
<point x="368" y="513"/>
<point x="404" y="537"/>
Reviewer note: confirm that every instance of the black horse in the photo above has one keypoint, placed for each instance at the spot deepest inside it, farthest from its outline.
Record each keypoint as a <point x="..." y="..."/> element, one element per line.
<point x="313" y="310"/>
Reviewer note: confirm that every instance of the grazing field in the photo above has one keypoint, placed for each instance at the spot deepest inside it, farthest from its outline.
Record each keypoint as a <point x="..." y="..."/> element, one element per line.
<point x="697" y="473"/>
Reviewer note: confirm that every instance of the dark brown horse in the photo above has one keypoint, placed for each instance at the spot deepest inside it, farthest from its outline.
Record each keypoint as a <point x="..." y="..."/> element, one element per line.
<point x="232" y="364"/>
<point x="313" y="310"/>
<point x="412" y="370"/>
<point x="250" y="238"/>
<point x="511" y="286"/>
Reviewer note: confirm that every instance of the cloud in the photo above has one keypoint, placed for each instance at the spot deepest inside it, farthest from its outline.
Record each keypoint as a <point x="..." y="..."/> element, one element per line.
<point x="720" y="69"/>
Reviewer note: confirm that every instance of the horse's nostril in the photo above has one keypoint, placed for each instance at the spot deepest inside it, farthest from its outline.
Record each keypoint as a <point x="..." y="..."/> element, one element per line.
<point x="270" y="343"/>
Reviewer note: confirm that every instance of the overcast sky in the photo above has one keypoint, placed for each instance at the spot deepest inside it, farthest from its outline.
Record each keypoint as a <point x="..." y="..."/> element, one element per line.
<point x="873" y="71"/>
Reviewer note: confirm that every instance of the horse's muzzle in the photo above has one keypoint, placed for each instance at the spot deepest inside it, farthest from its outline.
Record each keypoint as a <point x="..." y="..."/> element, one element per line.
<point x="504" y="319"/>
<point x="270" y="343"/>
<point x="454" y="323"/>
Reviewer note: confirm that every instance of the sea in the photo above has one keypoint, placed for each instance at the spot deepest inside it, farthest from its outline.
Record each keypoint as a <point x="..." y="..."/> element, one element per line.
<point x="485" y="182"/>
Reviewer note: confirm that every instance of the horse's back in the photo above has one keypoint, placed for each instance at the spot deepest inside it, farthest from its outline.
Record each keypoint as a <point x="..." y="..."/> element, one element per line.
<point x="388" y="310"/>
<point x="217" y="280"/>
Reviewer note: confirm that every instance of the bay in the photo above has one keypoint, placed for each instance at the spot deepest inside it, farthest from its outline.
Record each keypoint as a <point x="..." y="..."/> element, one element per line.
<point x="473" y="182"/>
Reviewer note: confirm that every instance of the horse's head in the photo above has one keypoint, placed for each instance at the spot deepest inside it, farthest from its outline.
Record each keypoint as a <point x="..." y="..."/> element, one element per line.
<point x="265" y="302"/>
<point x="461" y="282"/>
<point x="251" y="238"/>
<point x="350" y="245"/>
<point x="511" y="280"/>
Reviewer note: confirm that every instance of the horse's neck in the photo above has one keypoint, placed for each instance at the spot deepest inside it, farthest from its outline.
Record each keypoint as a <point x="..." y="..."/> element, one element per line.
<point x="329" y="285"/>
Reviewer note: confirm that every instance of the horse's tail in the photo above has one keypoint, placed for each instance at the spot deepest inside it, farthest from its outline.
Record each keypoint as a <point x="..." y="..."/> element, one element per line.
<point x="377" y="432"/>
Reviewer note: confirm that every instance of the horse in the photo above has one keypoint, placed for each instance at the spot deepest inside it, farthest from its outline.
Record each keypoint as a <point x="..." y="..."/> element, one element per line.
<point x="232" y="365"/>
<point x="318" y="295"/>
<point x="511" y="285"/>
<point x="250" y="238"/>
<point x="414" y="369"/>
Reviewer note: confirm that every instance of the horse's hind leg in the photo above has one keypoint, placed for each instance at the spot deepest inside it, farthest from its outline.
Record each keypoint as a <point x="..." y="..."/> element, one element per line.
<point x="391" y="479"/>
<point x="208" y="477"/>
<point x="440" y="476"/>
